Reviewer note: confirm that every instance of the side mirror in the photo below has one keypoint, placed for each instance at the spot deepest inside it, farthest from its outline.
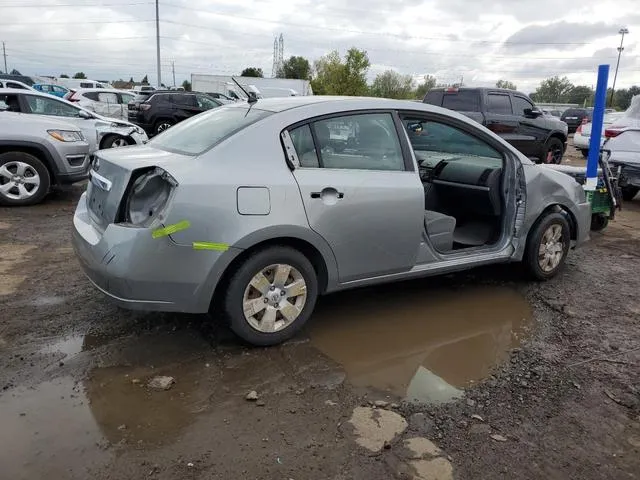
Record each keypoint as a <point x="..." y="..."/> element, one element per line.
<point x="532" y="112"/>
<point x="84" y="114"/>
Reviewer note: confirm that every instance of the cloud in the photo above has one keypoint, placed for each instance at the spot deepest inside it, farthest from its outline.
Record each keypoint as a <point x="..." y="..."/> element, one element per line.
<point x="448" y="38"/>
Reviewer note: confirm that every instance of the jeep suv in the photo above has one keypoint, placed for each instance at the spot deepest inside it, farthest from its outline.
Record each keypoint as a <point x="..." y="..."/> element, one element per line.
<point x="160" y="110"/>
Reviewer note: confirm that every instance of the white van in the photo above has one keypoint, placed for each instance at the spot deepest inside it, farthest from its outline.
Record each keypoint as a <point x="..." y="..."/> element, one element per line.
<point x="274" y="92"/>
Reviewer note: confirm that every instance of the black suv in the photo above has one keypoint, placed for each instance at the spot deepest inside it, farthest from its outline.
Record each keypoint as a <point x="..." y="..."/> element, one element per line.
<point x="158" y="111"/>
<point x="574" y="117"/>
<point x="510" y="114"/>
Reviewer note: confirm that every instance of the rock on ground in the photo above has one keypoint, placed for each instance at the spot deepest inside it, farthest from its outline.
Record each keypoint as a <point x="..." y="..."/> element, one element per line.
<point x="161" y="383"/>
<point x="374" y="428"/>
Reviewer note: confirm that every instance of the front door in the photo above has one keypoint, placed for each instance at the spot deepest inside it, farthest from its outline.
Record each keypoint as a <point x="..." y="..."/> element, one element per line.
<point x="532" y="130"/>
<point x="360" y="193"/>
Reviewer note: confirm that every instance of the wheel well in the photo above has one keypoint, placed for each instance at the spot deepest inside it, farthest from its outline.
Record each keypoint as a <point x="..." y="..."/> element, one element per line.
<point x="37" y="152"/>
<point x="304" y="247"/>
<point x="559" y="136"/>
<point x="571" y="219"/>
<point x="106" y="137"/>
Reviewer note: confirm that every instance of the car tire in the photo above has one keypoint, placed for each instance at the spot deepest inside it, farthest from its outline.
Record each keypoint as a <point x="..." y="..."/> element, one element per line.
<point x="162" y="125"/>
<point x="584" y="152"/>
<point x="554" y="147"/>
<point x="12" y="163"/>
<point x="629" y="192"/>
<point x="599" y="221"/>
<point x="268" y="324"/>
<point x="115" y="141"/>
<point x="544" y="265"/>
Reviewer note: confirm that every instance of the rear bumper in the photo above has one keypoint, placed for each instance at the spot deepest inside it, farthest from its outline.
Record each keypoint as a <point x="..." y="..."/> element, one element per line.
<point x="139" y="272"/>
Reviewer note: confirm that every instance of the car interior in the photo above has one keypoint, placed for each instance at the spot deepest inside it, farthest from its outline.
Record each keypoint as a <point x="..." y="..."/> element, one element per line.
<point x="462" y="178"/>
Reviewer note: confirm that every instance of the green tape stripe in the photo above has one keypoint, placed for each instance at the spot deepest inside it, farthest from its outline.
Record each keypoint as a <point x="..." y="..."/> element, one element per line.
<point x="169" y="229"/>
<point x="221" y="247"/>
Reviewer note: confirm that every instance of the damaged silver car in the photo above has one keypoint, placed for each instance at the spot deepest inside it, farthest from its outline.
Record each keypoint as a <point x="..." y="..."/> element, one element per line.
<point x="255" y="209"/>
<point x="101" y="132"/>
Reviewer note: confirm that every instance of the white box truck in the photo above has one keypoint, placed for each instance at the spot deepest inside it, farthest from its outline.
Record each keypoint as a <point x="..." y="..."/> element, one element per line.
<point x="262" y="87"/>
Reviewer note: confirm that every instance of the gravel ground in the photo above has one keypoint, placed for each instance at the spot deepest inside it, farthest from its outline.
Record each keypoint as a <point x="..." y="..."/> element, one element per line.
<point x="74" y="402"/>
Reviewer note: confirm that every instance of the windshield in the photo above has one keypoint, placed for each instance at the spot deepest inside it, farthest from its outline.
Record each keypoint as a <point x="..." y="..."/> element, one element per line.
<point x="200" y="133"/>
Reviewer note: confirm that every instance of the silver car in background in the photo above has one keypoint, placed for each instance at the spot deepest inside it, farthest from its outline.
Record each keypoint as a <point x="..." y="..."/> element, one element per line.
<point x="37" y="152"/>
<point x="255" y="209"/>
<point x="101" y="132"/>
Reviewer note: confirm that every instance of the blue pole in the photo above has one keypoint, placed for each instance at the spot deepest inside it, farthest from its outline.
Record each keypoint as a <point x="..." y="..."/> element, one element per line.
<point x="596" y="128"/>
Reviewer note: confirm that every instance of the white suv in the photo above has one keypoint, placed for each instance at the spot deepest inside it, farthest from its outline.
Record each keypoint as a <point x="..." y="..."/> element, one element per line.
<point x="105" y="101"/>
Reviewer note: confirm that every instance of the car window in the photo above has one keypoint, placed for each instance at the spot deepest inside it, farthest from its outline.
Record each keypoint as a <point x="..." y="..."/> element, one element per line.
<point x="302" y="140"/>
<point x="91" y="96"/>
<point x="199" y="133"/>
<point x="59" y="89"/>
<point x="10" y="103"/>
<point x="206" y="103"/>
<point x="15" y="85"/>
<point x="434" y="141"/>
<point x="50" y="106"/>
<point x="126" y="98"/>
<point x="499" y="103"/>
<point x="86" y="85"/>
<point x="359" y="142"/>
<point x="520" y="104"/>
<point x="462" y="100"/>
<point x="434" y="97"/>
<point x="188" y="100"/>
<point x="108" y="97"/>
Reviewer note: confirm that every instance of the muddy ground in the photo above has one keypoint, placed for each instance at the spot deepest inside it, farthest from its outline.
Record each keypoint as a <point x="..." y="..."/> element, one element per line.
<point x="539" y="380"/>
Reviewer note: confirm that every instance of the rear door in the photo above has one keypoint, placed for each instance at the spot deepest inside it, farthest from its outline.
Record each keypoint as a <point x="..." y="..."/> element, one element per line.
<point x="109" y="104"/>
<point x="360" y="192"/>
<point x="184" y="106"/>
<point x="499" y="117"/>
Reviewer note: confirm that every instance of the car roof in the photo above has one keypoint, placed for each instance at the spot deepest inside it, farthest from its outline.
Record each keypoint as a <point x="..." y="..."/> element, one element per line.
<point x="106" y="90"/>
<point x="23" y="91"/>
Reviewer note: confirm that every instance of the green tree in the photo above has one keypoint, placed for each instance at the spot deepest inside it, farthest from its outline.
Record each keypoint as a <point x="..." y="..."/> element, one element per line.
<point x="553" y="90"/>
<point x="580" y="94"/>
<point x="64" y="75"/>
<point x="391" y="84"/>
<point x="428" y="83"/>
<point x="15" y="72"/>
<point x="131" y="80"/>
<point x="79" y="75"/>
<point x="186" y="85"/>
<point x="295" y="67"/>
<point x="332" y="76"/>
<point x="622" y="97"/>
<point x="145" y="80"/>
<point x="252" y="72"/>
<point x="506" y="84"/>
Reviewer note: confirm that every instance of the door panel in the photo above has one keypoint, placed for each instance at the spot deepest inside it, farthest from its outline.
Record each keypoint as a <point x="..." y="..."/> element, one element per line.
<point x="358" y="194"/>
<point x="530" y="130"/>
<point x="371" y="219"/>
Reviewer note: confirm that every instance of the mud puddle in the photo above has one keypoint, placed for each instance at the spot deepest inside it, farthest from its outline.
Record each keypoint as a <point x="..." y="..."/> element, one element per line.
<point x="420" y="344"/>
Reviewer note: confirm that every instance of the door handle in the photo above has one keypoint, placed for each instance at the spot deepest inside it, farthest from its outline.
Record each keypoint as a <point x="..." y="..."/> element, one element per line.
<point x="327" y="191"/>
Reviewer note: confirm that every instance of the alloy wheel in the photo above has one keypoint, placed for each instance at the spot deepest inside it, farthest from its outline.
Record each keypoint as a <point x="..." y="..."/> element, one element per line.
<point x="119" y="142"/>
<point x="18" y="180"/>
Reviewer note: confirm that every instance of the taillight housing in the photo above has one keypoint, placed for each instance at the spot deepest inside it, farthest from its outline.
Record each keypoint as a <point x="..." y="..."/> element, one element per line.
<point x="148" y="197"/>
<point x="612" y="132"/>
<point x="144" y="106"/>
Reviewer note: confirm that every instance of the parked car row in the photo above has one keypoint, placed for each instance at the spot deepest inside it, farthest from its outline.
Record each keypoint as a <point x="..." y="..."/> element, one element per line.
<point x="44" y="120"/>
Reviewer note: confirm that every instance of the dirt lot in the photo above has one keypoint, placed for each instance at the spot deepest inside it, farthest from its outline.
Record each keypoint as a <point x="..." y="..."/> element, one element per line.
<point x="542" y="379"/>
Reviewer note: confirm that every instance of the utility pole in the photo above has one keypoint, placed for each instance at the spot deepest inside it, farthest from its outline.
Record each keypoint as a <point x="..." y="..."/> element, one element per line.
<point x="622" y="32"/>
<point x="4" y="53"/>
<point x="158" y="43"/>
<point x="173" y="70"/>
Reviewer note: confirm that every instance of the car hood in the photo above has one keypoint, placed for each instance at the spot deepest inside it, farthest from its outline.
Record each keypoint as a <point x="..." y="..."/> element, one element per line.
<point x="32" y="121"/>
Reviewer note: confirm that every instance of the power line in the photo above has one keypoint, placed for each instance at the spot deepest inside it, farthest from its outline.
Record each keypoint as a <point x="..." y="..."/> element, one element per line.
<point x="83" y="21"/>
<point x="75" y="5"/>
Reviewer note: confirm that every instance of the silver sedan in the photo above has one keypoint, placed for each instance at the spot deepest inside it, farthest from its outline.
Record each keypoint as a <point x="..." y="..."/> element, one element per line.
<point x="254" y="209"/>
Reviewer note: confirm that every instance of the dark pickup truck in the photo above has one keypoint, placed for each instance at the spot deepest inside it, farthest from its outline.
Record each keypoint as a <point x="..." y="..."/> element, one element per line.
<point x="510" y="114"/>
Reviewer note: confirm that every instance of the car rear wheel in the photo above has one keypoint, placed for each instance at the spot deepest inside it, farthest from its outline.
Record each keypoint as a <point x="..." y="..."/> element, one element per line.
<point x="271" y="296"/>
<point x="24" y="179"/>
<point x="115" y="141"/>
<point x="554" y="151"/>
<point x="162" y="125"/>
<point x="547" y="246"/>
<point x="629" y="192"/>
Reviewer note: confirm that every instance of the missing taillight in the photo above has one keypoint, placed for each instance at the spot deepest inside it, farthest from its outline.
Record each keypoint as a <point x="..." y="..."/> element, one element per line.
<point x="147" y="197"/>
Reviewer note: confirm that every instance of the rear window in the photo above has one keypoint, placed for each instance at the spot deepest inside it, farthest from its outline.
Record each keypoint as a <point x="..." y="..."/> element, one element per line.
<point x="91" y="96"/>
<point x="434" y="97"/>
<point x="462" y="101"/>
<point x="200" y="133"/>
<point x="575" y="112"/>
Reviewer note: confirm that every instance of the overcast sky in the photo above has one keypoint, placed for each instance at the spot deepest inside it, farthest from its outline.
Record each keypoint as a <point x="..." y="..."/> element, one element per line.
<point x="480" y="41"/>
